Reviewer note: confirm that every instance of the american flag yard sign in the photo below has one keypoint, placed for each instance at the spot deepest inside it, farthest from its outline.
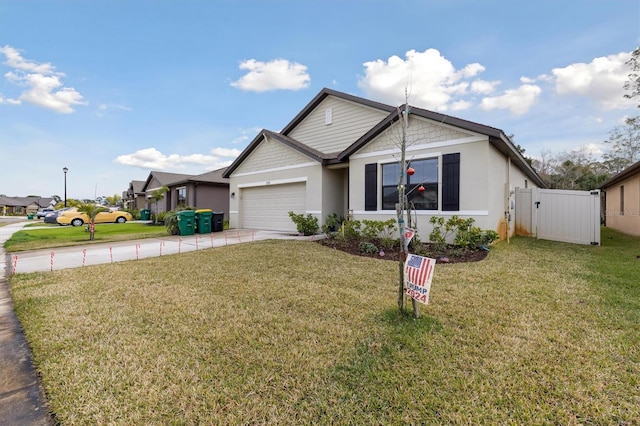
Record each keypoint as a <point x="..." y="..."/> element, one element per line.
<point x="418" y="272"/>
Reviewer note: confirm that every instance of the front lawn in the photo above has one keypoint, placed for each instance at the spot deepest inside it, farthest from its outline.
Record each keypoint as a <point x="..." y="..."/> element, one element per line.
<point x="63" y="236"/>
<point x="291" y="332"/>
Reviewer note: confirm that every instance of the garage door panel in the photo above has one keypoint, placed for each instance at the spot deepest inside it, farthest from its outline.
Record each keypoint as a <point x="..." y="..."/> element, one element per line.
<point x="267" y="207"/>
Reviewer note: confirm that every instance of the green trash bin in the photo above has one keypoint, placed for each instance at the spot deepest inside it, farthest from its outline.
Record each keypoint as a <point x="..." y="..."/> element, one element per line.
<point x="217" y="221"/>
<point x="203" y="221"/>
<point x="145" y="214"/>
<point x="30" y="216"/>
<point x="186" y="222"/>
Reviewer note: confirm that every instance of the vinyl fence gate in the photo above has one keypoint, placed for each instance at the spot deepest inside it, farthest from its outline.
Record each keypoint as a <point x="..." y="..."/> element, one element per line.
<point x="558" y="215"/>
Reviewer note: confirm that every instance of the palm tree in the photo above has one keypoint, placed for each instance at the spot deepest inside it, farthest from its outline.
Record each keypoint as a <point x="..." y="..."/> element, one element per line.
<point x="114" y="199"/>
<point x="92" y="211"/>
<point x="158" y="195"/>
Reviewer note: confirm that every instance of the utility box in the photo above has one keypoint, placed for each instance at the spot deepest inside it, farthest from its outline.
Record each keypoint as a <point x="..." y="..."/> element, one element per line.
<point x="186" y="222"/>
<point x="217" y="221"/>
<point x="203" y="221"/>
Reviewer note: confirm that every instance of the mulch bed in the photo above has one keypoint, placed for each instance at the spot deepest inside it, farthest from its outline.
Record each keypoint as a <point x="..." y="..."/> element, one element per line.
<point x="450" y="254"/>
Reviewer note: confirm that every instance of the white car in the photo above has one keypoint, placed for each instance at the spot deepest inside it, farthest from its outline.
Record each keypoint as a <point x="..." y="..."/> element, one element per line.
<point x="40" y="214"/>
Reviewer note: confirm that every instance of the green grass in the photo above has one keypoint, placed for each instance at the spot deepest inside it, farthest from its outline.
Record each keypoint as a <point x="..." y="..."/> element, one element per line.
<point x="63" y="236"/>
<point x="291" y="332"/>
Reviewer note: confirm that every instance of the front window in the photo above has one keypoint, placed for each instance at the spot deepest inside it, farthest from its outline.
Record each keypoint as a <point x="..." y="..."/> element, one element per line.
<point x="425" y="175"/>
<point x="182" y="196"/>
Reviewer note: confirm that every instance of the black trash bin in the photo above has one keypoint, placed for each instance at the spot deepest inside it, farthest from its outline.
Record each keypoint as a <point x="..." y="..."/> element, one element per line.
<point x="217" y="221"/>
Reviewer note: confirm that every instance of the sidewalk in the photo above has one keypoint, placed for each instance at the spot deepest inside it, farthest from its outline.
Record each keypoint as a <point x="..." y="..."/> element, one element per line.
<point x="22" y="401"/>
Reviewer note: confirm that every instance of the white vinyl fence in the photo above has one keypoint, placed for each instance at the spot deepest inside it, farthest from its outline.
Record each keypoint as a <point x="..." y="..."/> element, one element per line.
<point x="558" y="215"/>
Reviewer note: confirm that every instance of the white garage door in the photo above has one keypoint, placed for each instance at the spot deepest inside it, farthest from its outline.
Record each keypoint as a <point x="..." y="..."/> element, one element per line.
<point x="268" y="207"/>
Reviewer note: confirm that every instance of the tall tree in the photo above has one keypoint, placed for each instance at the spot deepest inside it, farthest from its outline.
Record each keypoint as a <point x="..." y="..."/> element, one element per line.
<point x="624" y="143"/>
<point x="114" y="199"/>
<point x="633" y="84"/>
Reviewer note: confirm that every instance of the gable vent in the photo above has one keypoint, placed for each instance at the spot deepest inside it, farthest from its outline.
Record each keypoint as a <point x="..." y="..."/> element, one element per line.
<point x="328" y="116"/>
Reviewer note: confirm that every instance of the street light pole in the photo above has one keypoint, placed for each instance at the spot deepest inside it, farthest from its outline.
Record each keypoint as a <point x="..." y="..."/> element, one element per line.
<point x="65" y="170"/>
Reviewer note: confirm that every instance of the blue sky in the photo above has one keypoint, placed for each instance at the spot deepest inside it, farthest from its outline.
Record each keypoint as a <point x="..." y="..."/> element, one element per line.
<point x="115" y="89"/>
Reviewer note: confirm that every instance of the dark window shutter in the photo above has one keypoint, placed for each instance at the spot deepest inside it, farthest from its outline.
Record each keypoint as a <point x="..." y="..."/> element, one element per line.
<point x="371" y="186"/>
<point x="451" y="182"/>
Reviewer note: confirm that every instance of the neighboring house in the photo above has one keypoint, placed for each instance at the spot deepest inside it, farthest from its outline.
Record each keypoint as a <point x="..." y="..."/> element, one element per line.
<point x="10" y="206"/>
<point x="622" y="200"/>
<point x="134" y="197"/>
<point x="341" y="155"/>
<point x="205" y="191"/>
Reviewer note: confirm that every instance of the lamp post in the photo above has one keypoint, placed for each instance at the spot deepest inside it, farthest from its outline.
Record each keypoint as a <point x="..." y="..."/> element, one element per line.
<point x="65" y="170"/>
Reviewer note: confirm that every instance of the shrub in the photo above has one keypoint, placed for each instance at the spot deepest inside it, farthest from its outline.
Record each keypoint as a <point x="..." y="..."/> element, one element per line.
<point x="332" y="223"/>
<point x="466" y="235"/>
<point x="306" y="225"/>
<point x="367" y="247"/>
<point x="378" y="228"/>
<point x="350" y="229"/>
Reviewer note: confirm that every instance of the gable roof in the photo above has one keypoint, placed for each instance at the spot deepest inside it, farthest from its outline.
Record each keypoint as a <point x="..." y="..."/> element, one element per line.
<point x="496" y="136"/>
<point x="26" y="201"/>
<point x="136" y="186"/>
<point x="626" y="173"/>
<point x="214" y="176"/>
<point x="164" y="179"/>
<point x="324" y="93"/>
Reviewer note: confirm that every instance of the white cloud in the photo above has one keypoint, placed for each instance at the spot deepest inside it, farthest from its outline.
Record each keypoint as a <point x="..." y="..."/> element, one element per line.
<point x="103" y="109"/>
<point x="518" y="101"/>
<point x="278" y="74"/>
<point x="151" y="158"/>
<point x="601" y="80"/>
<point x="431" y="79"/>
<point x="9" y="101"/>
<point x="43" y="84"/>
<point x="484" y="87"/>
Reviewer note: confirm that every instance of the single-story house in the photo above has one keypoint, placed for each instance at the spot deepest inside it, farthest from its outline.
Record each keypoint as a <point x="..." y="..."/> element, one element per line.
<point x="134" y="198"/>
<point x="15" y="206"/>
<point x="622" y="200"/>
<point x="204" y="191"/>
<point x="341" y="154"/>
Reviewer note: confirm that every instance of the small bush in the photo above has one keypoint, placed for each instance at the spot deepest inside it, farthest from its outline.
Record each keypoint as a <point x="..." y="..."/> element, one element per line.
<point x="306" y="225"/>
<point x="350" y="229"/>
<point x="466" y="235"/>
<point x="367" y="247"/>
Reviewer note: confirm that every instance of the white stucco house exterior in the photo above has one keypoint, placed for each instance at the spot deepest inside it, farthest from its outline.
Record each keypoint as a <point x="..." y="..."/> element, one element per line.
<point x="341" y="155"/>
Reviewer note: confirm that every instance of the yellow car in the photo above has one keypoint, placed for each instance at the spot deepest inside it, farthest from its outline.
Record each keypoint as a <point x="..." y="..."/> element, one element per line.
<point x="75" y="218"/>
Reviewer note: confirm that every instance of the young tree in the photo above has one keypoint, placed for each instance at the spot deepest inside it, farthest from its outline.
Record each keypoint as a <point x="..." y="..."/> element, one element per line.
<point x="156" y="196"/>
<point x="92" y="211"/>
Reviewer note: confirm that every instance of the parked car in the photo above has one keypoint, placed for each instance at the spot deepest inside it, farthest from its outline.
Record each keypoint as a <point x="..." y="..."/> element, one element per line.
<point x="40" y="214"/>
<point x="75" y="218"/>
<point x="52" y="216"/>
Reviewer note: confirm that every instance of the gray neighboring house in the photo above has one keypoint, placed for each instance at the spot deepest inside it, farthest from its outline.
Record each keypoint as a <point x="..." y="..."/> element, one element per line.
<point x="205" y="191"/>
<point x="134" y="197"/>
<point x="340" y="154"/>
<point x="18" y="206"/>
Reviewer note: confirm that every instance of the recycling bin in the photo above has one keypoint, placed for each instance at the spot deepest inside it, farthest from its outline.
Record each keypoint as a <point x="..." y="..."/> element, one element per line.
<point x="186" y="222"/>
<point x="145" y="214"/>
<point x="217" y="221"/>
<point x="203" y="221"/>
